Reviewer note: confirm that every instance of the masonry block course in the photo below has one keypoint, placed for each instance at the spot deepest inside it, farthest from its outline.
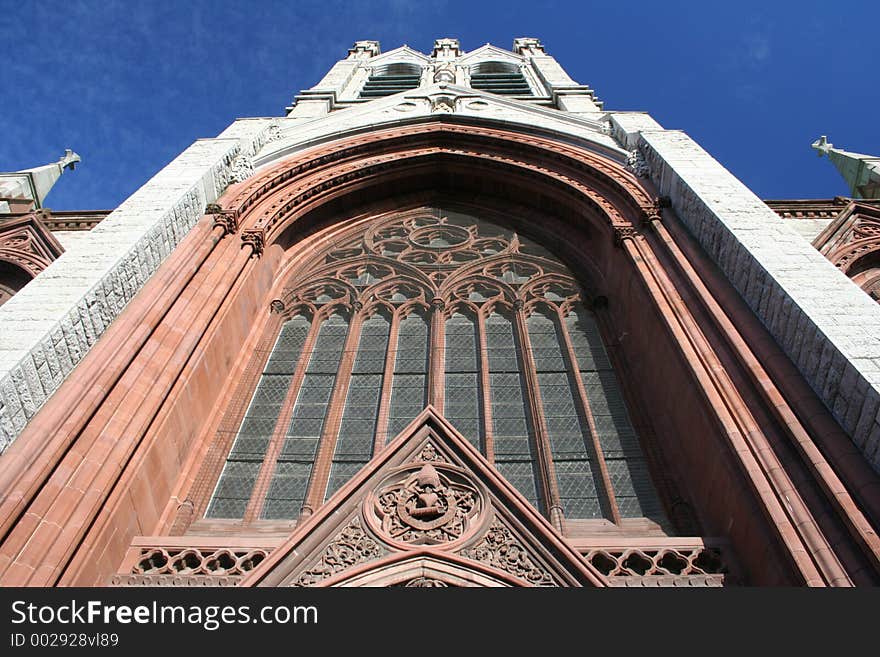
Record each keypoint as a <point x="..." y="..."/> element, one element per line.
<point x="827" y="325"/>
<point x="48" y="327"/>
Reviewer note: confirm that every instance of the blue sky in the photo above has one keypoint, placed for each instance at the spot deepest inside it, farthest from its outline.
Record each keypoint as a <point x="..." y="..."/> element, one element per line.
<point x="128" y="85"/>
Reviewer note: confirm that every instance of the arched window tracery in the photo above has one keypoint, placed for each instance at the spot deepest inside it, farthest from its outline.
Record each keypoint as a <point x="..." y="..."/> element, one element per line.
<point x="437" y="306"/>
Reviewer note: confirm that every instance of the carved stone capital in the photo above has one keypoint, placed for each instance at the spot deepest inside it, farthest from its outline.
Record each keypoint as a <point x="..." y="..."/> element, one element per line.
<point x="622" y="233"/>
<point x="276" y="307"/>
<point x="256" y="239"/>
<point x="518" y="304"/>
<point x="226" y="219"/>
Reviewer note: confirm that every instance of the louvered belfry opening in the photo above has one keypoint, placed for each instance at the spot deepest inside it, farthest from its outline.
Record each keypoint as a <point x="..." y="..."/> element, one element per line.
<point x="391" y="79"/>
<point x="372" y="323"/>
<point x="500" y="78"/>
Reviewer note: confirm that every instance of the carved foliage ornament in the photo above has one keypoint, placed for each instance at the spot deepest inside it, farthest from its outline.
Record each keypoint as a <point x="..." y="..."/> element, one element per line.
<point x="424" y="504"/>
<point x="350" y="547"/>
<point x="501" y="549"/>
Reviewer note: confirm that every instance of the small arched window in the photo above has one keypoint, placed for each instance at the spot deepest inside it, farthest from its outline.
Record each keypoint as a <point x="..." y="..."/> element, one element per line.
<point x="499" y="78"/>
<point x="391" y="79"/>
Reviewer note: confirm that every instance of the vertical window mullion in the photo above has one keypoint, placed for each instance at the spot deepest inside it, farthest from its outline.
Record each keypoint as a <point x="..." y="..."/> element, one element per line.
<point x="585" y="489"/>
<point x="381" y="438"/>
<point x="462" y="386"/>
<point x="513" y="433"/>
<point x="267" y="471"/>
<point x="287" y="493"/>
<point x="533" y="400"/>
<point x="333" y="415"/>
<point x="247" y="455"/>
<point x="357" y="429"/>
<point x="437" y="356"/>
<point x="485" y="388"/>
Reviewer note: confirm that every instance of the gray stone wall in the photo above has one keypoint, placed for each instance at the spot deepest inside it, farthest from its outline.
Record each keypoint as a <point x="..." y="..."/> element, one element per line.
<point x="47" y="328"/>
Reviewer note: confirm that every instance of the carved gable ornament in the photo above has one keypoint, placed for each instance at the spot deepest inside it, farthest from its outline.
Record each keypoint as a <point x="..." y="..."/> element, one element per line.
<point x="427" y="511"/>
<point x="28" y="244"/>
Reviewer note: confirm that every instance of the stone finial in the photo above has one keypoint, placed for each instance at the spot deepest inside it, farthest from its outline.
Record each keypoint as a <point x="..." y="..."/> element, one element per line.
<point x="69" y="160"/>
<point x="364" y="50"/>
<point x="446" y="49"/>
<point x="822" y="146"/>
<point x="35" y="184"/>
<point x="861" y="172"/>
<point x="528" y="46"/>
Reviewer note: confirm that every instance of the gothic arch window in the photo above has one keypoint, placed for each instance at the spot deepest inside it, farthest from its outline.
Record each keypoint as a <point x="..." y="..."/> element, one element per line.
<point x="391" y="79"/>
<point x="499" y="78"/>
<point x="437" y="306"/>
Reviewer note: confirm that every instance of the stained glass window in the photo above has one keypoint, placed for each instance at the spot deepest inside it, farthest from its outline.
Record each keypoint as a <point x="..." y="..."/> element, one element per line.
<point x="475" y="283"/>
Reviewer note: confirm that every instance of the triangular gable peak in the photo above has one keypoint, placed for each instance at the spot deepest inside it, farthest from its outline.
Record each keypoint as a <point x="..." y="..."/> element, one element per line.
<point x="429" y="501"/>
<point x="26" y="242"/>
<point x="403" y="54"/>
<point x="490" y="53"/>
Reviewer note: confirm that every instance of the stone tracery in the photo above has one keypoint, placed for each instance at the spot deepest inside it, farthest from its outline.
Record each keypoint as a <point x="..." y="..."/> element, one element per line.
<point x="410" y="293"/>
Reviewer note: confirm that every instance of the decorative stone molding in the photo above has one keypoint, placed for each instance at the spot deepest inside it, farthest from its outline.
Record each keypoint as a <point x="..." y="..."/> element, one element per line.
<point x="430" y="454"/>
<point x="198" y="561"/>
<point x="225" y="219"/>
<point x="444" y="104"/>
<point x="189" y="581"/>
<point x="658" y="562"/>
<point x="242" y="168"/>
<point x="425" y="582"/>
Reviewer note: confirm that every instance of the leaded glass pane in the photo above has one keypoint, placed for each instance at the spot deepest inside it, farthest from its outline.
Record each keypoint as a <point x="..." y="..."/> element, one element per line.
<point x="357" y="429"/>
<point x="511" y="428"/>
<point x="462" y="403"/>
<point x="435" y="240"/>
<point x="354" y="445"/>
<point x="290" y="480"/>
<point x="409" y="387"/>
<point x="624" y="459"/>
<point x="234" y="487"/>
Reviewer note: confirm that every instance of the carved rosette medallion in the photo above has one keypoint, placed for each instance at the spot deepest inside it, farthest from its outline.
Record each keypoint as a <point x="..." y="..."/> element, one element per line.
<point x="427" y="503"/>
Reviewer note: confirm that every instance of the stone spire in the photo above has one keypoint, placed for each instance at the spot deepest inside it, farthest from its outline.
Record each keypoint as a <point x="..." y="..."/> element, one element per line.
<point x="35" y="183"/>
<point x="861" y="172"/>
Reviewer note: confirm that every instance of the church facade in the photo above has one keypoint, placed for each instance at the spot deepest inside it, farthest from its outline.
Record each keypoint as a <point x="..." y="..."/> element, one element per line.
<point x="449" y="322"/>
